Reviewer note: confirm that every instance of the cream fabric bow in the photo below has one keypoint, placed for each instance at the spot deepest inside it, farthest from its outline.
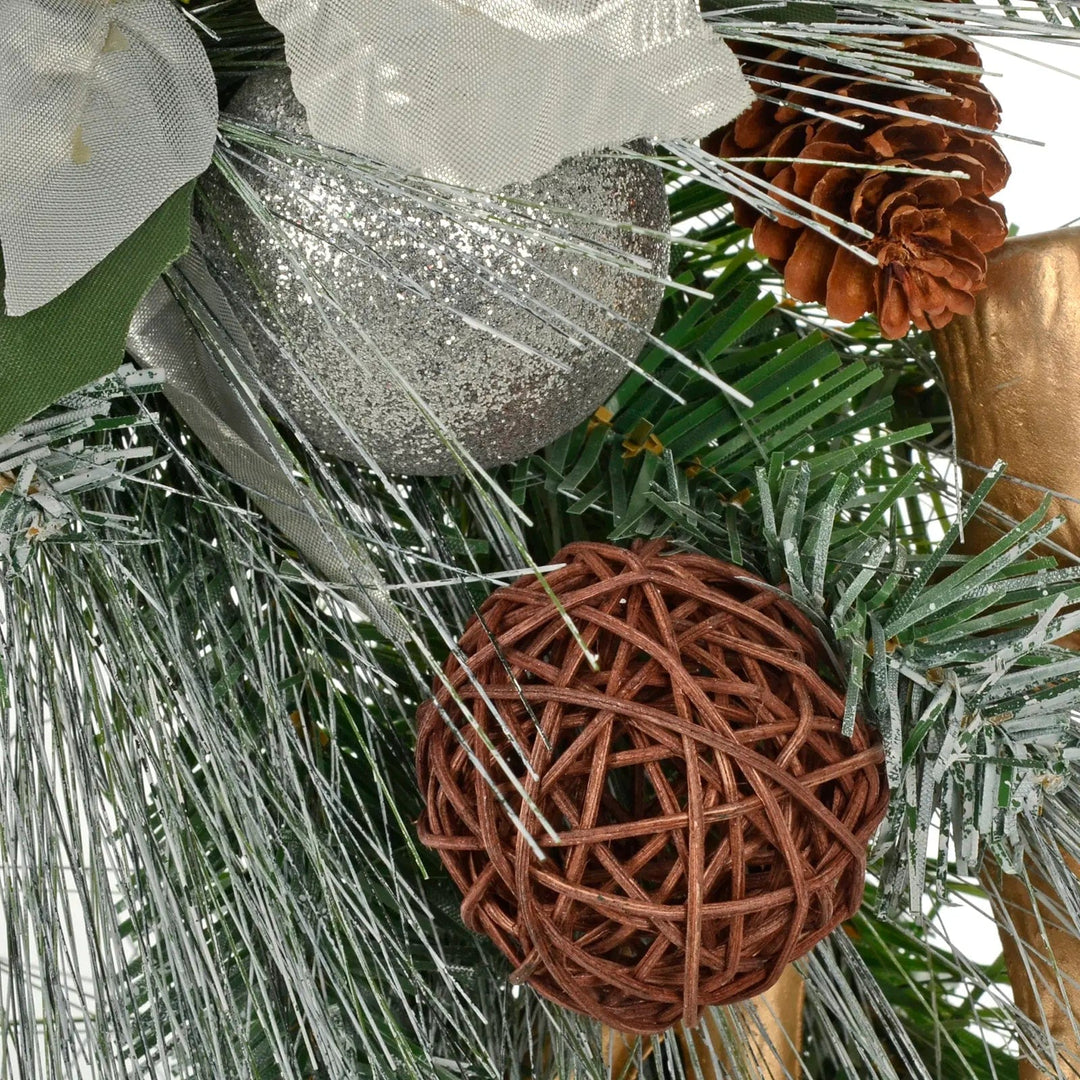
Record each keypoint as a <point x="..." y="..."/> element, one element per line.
<point x="107" y="107"/>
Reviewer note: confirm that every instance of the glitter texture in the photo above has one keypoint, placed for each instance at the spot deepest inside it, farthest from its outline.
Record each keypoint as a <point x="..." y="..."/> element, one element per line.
<point x="508" y="319"/>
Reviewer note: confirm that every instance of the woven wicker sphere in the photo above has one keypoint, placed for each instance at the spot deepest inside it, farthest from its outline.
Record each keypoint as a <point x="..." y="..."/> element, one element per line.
<point x="713" y="821"/>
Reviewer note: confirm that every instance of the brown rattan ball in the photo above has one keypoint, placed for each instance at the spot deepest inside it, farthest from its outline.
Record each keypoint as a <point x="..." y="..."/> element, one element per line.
<point x="712" y="820"/>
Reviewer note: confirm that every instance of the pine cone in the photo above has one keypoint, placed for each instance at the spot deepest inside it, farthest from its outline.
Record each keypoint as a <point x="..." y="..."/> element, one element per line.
<point x="931" y="233"/>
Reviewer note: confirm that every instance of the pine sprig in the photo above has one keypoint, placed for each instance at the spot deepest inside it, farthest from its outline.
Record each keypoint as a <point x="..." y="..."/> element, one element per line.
<point x="72" y="449"/>
<point x="213" y="754"/>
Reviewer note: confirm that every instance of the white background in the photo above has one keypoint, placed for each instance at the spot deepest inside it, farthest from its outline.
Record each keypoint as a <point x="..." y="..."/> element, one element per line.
<point x="1038" y="103"/>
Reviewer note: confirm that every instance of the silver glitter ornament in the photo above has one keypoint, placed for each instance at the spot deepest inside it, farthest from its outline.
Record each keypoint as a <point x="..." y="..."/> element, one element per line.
<point x="508" y="319"/>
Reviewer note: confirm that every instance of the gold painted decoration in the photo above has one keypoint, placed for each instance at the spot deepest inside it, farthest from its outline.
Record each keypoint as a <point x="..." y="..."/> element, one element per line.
<point x="1013" y="375"/>
<point x="771" y="1039"/>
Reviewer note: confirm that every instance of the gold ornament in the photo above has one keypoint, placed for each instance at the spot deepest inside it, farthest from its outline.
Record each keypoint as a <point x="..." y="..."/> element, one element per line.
<point x="1013" y="374"/>
<point x="773" y="1042"/>
<point x="774" y="1047"/>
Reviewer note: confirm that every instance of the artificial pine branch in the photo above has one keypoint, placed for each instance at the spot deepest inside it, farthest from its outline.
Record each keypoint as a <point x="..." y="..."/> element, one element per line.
<point x="285" y="664"/>
<point x="215" y="752"/>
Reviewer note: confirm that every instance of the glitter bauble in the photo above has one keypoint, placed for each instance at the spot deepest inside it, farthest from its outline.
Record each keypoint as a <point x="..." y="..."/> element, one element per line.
<point x="494" y="310"/>
<point x="712" y="818"/>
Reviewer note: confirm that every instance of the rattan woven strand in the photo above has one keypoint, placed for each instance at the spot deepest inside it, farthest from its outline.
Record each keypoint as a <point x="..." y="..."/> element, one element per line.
<point x="713" y="819"/>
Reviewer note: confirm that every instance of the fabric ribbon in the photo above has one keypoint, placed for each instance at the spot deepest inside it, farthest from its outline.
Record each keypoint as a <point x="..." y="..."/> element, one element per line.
<point x="210" y="387"/>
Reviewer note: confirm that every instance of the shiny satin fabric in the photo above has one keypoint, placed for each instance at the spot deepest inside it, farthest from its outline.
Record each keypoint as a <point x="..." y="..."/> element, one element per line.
<point x="216" y="401"/>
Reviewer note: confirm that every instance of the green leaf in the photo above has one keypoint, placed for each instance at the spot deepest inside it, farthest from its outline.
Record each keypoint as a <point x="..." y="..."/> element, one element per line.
<point x="79" y="336"/>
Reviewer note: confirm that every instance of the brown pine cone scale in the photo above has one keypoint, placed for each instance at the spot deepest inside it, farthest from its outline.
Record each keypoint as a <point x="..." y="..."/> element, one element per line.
<point x="926" y="257"/>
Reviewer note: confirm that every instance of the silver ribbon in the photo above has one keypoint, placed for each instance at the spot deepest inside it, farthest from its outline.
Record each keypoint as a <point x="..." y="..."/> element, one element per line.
<point x="211" y="390"/>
